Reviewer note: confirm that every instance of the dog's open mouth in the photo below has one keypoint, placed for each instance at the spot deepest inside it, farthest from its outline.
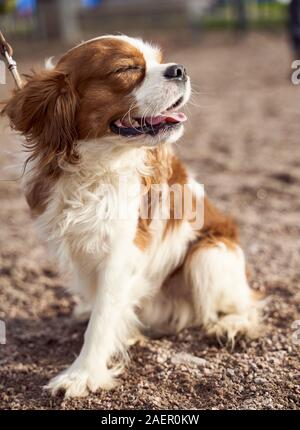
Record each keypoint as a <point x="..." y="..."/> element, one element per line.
<point x="148" y="125"/>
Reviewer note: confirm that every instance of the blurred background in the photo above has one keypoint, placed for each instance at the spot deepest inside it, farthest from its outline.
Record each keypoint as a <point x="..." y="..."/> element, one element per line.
<point x="242" y="142"/>
<point x="71" y="19"/>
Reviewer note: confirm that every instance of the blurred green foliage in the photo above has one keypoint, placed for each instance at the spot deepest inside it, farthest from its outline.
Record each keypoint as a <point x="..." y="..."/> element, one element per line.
<point x="7" y="6"/>
<point x="259" y="16"/>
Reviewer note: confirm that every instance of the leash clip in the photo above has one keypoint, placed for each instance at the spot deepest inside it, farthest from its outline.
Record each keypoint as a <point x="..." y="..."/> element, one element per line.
<point x="7" y="52"/>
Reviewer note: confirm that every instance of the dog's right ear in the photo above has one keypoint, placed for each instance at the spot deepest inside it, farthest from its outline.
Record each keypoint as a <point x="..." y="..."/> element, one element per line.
<point x="44" y="111"/>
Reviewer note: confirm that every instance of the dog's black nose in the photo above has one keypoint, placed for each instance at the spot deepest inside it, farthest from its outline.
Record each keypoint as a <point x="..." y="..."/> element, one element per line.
<point x="175" y="72"/>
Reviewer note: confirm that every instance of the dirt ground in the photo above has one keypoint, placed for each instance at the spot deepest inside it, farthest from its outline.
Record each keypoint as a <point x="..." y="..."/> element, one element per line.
<point x="242" y="141"/>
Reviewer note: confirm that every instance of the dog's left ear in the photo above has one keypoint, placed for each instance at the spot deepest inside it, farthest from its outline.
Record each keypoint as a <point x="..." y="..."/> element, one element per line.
<point x="44" y="111"/>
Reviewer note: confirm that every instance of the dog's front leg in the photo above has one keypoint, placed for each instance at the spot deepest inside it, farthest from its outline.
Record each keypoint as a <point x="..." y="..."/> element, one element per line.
<point x="110" y="325"/>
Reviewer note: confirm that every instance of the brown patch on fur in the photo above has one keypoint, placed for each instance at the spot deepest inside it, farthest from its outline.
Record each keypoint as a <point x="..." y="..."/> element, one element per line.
<point x="217" y="228"/>
<point x="158" y="160"/>
<point x="105" y="72"/>
<point x="38" y="189"/>
<point x="167" y="169"/>
<point x="217" y="225"/>
<point x="143" y="236"/>
<point x="178" y="177"/>
<point x="209" y="242"/>
<point x="89" y="88"/>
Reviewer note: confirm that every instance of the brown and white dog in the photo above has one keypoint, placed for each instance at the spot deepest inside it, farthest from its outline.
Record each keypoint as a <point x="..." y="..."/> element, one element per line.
<point x="109" y="110"/>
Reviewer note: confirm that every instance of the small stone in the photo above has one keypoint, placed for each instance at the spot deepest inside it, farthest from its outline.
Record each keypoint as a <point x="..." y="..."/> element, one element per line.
<point x="188" y="359"/>
<point x="161" y="358"/>
<point x="262" y="194"/>
<point x="260" y="381"/>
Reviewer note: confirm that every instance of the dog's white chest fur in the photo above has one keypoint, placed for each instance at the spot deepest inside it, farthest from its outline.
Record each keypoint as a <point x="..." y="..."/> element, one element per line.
<point x="89" y="207"/>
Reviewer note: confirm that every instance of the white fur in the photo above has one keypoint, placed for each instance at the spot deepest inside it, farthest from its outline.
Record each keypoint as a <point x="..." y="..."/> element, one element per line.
<point x="217" y="279"/>
<point x="49" y="64"/>
<point x="114" y="278"/>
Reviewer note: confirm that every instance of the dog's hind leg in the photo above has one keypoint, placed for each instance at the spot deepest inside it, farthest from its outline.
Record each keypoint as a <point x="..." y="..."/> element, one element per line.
<point x="169" y="310"/>
<point x="222" y="299"/>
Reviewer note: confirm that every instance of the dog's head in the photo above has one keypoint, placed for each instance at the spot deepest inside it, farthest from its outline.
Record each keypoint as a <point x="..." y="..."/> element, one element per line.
<point x="113" y="87"/>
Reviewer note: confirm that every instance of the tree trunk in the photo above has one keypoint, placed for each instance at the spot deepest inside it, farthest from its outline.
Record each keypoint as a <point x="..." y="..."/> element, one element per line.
<point x="240" y="14"/>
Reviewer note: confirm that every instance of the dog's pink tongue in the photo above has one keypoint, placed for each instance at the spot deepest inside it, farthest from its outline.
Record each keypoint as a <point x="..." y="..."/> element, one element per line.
<point x="168" y="117"/>
<point x="176" y="117"/>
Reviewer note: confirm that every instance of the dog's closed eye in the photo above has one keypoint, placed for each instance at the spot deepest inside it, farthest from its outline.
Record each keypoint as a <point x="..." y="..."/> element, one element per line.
<point x="125" y="69"/>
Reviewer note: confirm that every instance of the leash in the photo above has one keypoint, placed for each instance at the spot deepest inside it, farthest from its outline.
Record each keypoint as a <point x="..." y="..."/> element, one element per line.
<point x="7" y="53"/>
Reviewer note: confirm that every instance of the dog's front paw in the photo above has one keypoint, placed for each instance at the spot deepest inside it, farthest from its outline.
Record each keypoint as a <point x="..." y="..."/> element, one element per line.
<point x="77" y="382"/>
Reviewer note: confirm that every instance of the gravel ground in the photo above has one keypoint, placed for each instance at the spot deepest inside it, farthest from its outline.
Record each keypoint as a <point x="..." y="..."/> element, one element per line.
<point x="243" y="144"/>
